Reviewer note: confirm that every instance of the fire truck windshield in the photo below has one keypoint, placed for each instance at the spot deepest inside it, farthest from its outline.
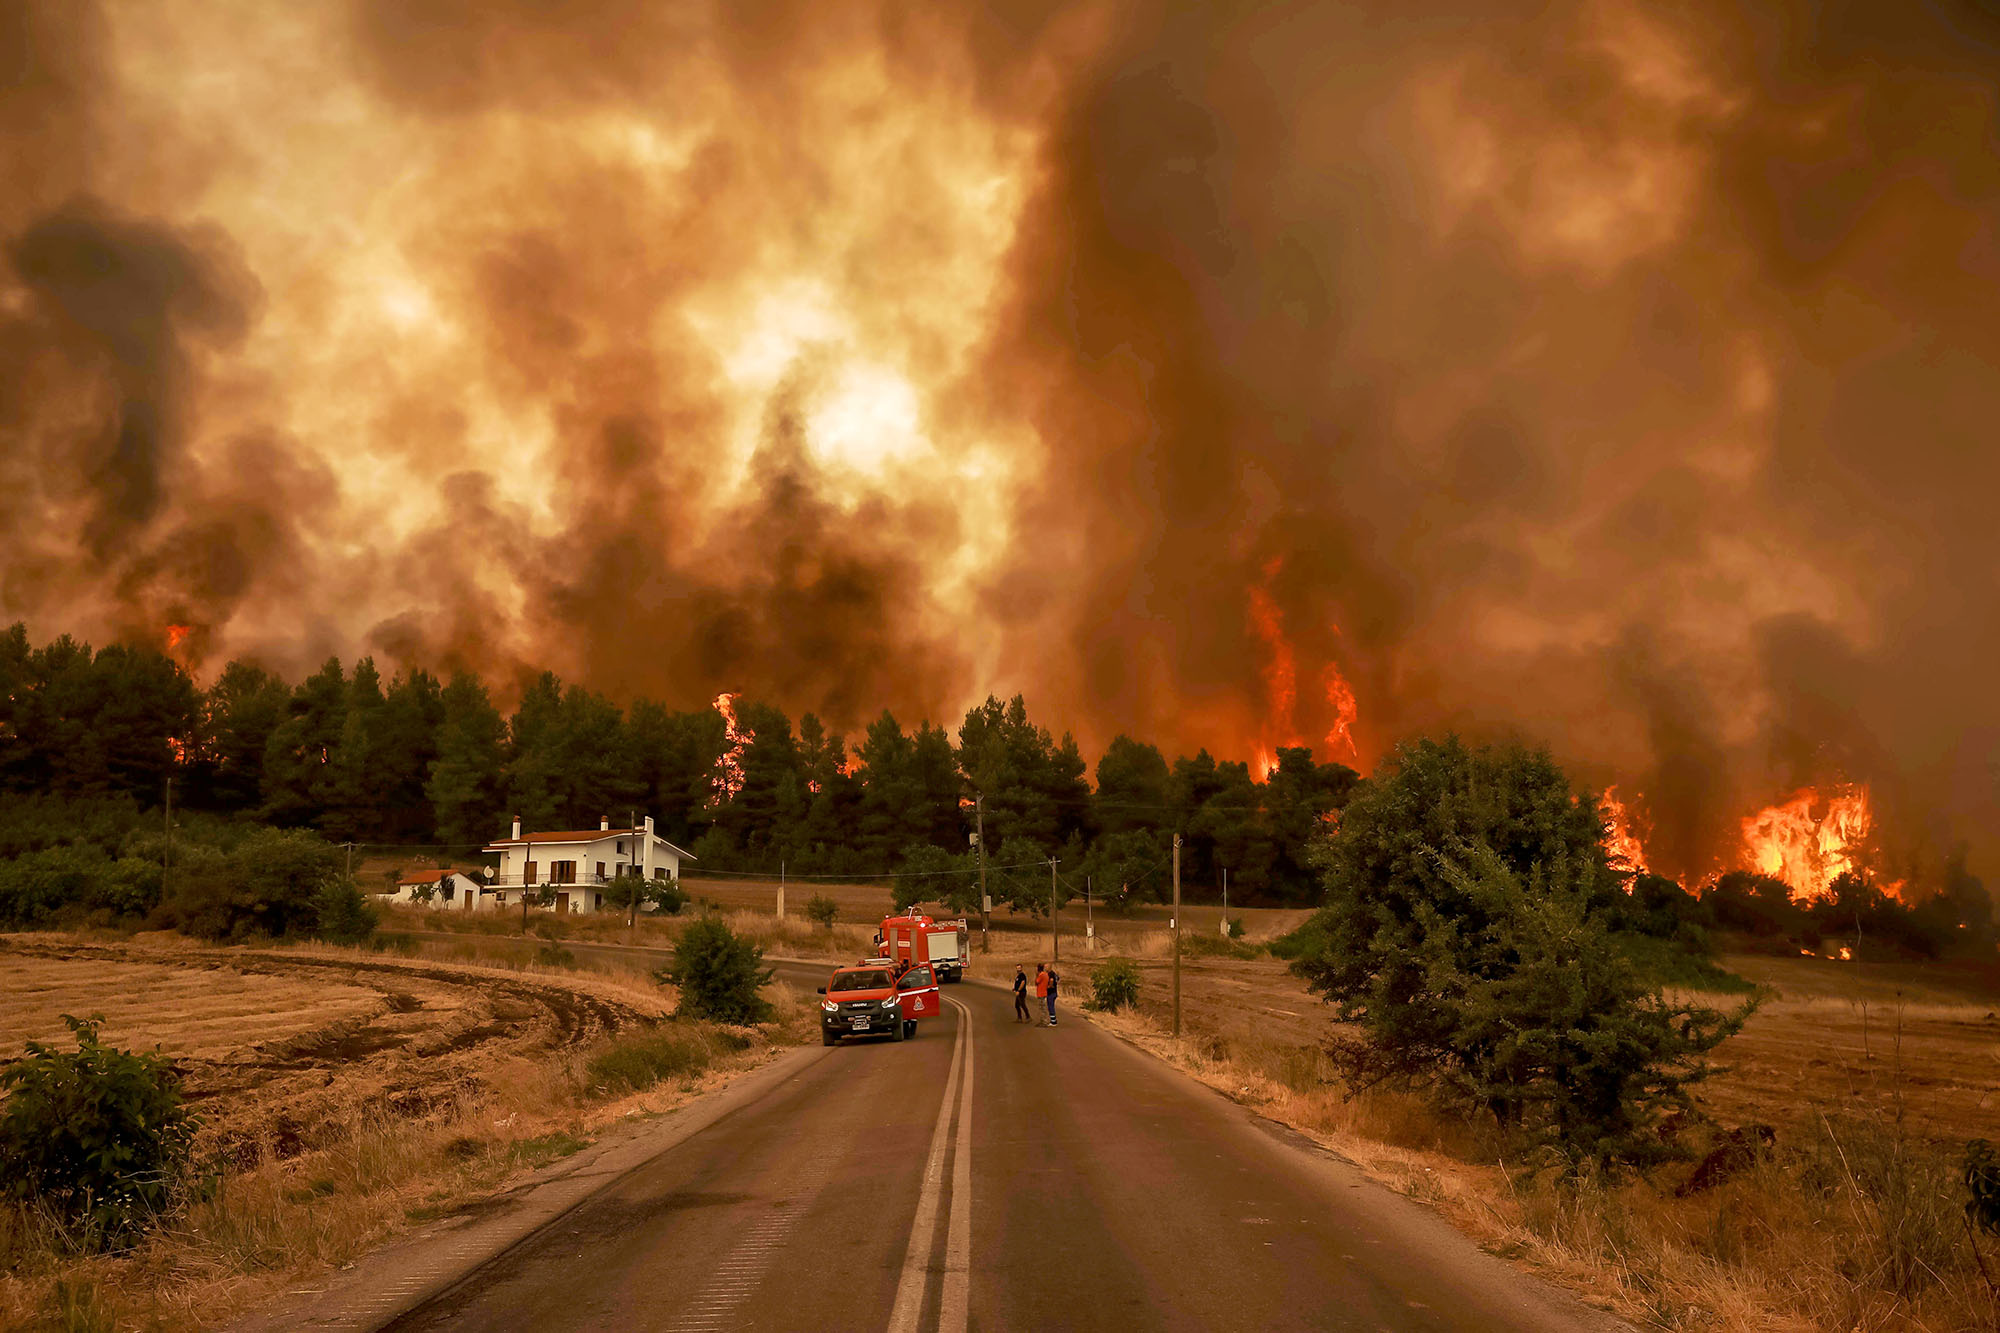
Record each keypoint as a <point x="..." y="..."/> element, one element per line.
<point x="875" y="980"/>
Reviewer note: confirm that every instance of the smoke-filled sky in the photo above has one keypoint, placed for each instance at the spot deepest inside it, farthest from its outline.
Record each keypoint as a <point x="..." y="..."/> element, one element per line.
<point x="1621" y="376"/>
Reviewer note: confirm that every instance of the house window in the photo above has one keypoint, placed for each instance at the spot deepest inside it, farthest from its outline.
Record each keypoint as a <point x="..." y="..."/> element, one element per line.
<point x="600" y="900"/>
<point x="621" y="847"/>
<point x="532" y="871"/>
<point x="562" y="872"/>
<point x="659" y="872"/>
<point x="600" y="870"/>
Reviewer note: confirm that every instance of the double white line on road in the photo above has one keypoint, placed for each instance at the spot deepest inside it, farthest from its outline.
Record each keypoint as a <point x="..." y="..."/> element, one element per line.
<point x="923" y="1233"/>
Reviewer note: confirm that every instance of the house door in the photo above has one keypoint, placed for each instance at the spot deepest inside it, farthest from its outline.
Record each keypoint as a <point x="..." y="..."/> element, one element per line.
<point x="562" y="903"/>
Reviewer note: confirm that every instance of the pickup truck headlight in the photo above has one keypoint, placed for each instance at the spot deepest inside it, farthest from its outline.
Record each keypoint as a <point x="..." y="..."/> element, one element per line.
<point x="892" y="1002"/>
<point x="828" y="1006"/>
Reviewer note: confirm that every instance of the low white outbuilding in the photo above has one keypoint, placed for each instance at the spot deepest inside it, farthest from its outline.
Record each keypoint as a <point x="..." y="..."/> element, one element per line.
<point x="578" y="866"/>
<point x="443" y="889"/>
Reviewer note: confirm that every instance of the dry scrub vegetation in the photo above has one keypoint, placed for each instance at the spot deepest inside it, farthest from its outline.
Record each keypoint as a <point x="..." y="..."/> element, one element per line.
<point x="1852" y="1222"/>
<point x="345" y="1096"/>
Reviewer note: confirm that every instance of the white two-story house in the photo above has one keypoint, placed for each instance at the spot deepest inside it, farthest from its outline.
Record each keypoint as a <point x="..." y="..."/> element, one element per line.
<point x="578" y="866"/>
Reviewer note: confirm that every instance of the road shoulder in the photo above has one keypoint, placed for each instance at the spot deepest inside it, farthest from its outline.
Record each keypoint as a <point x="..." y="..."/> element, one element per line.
<point x="423" y="1264"/>
<point x="1407" y="1225"/>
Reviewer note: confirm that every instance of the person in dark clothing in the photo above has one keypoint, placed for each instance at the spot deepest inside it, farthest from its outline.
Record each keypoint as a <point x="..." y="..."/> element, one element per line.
<point x="1054" y="979"/>
<point x="1021" y="1013"/>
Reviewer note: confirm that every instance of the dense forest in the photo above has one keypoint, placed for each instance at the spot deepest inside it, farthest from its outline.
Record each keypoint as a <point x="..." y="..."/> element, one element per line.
<point x="418" y="762"/>
<point x="273" y="784"/>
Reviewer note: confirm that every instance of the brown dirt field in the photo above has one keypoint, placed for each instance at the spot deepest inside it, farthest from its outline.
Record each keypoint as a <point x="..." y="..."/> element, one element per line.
<point x="275" y="1044"/>
<point x="1839" y="1037"/>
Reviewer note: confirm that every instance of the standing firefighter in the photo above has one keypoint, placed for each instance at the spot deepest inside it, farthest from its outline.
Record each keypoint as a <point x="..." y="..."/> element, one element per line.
<point x="1021" y="1014"/>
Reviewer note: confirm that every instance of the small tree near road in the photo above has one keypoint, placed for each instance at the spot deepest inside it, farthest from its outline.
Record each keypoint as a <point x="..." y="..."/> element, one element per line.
<point x="822" y="909"/>
<point x="719" y="974"/>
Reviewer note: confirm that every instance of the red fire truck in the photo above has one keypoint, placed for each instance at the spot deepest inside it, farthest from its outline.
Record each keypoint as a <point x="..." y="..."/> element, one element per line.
<point x="909" y="940"/>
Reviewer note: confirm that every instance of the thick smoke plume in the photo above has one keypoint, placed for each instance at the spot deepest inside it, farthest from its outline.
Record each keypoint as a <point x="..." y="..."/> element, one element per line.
<point x="1621" y="376"/>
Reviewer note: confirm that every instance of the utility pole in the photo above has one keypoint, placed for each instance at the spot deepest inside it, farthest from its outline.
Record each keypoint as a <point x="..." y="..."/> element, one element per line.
<point x="1089" y="918"/>
<point x="350" y="861"/>
<point x="985" y="903"/>
<point x="1055" y="918"/>
<point x="1225" y="902"/>
<point x="1177" y="935"/>
<point x="781" y="890"/>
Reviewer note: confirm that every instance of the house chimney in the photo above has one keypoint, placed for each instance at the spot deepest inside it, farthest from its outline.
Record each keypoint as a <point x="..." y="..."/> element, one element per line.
<point x="603" y="823"/>
<point x="517" y="828"/>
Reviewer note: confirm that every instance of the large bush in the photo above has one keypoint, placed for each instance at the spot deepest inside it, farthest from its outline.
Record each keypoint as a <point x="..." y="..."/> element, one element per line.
<point x="75" y="880"/>
<point x="98" y="1136"/>
<point x="719" y="974"/>
<point x="272" y="884"/>
<point x="1470" y="928"/>
<point x="822" y="910"/>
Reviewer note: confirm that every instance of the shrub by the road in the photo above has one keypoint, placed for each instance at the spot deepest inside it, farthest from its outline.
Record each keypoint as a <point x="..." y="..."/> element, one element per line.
<point x="636" y="1062"/>
<point x="822" y="909"/>
<point x="1114" y="985"/>
<point x="1471" y="930"/>
<point x="96" y="1136"/>
<point x="719" y="974"/>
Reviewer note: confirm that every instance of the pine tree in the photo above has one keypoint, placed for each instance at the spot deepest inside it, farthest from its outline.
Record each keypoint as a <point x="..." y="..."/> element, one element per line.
<point x="301" y="747"/>
<point x="464" y="784"/>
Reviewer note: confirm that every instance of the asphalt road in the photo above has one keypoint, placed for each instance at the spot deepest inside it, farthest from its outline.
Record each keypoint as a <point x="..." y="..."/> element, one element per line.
<point x="995" y="1176"/>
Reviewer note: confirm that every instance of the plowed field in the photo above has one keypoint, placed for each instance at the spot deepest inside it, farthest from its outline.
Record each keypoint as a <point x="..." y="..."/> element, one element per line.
<point x="278" y="1045"/>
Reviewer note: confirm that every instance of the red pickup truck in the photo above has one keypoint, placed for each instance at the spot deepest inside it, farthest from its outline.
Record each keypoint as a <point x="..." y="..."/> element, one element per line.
<point x="871" y="1001"/>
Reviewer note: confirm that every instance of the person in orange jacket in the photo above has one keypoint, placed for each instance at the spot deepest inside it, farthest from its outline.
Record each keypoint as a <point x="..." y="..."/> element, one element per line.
<point x="1041" y="985"/>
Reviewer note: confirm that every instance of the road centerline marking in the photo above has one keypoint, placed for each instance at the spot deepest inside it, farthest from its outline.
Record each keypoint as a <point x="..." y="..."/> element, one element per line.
<point x="923" y="1231"/>
<point x="955" y="1293"/>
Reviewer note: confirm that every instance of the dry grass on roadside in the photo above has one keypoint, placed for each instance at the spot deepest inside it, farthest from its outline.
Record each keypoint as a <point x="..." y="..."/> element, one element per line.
<point x="367" y="1175"/>
<point x="1853" y="1223"/>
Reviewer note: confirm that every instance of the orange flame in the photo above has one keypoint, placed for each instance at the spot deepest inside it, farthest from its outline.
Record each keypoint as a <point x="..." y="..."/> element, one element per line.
<point x="177" y="635"/>
<point x="1281" y="670"/>
<point x="1621" y="840"/>
<point x="1346" y="710"/>
<point x="1810" y="839"/>
<point x="728" y="779"/>
<point x="1281" y="683"/>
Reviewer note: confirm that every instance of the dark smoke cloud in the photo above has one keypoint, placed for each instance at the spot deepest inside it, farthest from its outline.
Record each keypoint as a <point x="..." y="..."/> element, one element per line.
<point x="1615" y="376"/>
<point x="125" y="293"/>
